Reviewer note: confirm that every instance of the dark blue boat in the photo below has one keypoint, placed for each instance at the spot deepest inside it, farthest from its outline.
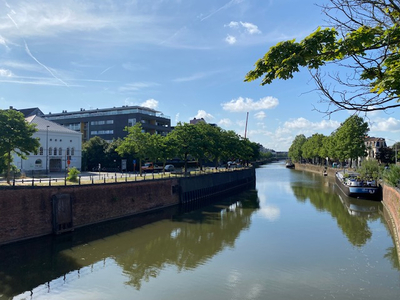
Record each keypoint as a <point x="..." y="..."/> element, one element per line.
<point x="352" y="186"/>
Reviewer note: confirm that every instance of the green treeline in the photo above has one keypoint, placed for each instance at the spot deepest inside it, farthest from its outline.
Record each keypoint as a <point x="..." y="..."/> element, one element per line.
<point x="202" y="143"/>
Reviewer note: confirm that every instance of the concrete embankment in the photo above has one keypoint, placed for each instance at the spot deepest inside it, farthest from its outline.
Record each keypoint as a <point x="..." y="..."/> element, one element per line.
<point x="28" y="212"/>
<point x="390" y="200"/>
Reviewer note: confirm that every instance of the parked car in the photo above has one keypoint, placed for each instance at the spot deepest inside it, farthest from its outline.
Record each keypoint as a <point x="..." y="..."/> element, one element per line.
<point x="169" y="168"/>
<point x="150" y="167"/>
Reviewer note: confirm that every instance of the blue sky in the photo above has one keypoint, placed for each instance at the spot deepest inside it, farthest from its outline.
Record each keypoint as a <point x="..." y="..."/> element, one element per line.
<point x="185" y="58"/>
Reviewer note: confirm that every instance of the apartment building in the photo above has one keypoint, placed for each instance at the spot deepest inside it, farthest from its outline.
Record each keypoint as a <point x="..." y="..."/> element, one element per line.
<point x="109" y="123"/>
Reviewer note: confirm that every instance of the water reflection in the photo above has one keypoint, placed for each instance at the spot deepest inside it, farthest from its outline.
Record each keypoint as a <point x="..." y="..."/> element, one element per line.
<point x="141" y="250"/>
<point x="351" y="215"/>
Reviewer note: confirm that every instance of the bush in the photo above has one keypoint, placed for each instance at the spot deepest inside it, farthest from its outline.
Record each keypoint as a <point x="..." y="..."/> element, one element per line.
<point x="73" y="174"/>
<point x="370" y="169"/>
<point x="392" y="175"/>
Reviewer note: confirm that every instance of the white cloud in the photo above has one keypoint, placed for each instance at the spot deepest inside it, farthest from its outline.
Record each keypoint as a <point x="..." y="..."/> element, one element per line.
<point x="390" y="124"/>
<point x="177" y="118"/>
<point x="6" y="73"/>
<point x="150" y="103"/>
<point x="230" y="39"/>
<point x="233" y="24"/>
<point x="225" y="122"/>
<point x="260" y="115"/>
<point x="251" y="28"/>
<point x="245" y="105"/>
<point x="304" y="124"/>
<point x="203" y="114"/>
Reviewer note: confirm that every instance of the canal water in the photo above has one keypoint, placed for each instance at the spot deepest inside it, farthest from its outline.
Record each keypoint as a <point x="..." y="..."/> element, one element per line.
<point x="294" y="237"/>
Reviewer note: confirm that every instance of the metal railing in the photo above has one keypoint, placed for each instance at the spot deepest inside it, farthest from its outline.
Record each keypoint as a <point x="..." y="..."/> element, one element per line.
<point x="109" y="177"/>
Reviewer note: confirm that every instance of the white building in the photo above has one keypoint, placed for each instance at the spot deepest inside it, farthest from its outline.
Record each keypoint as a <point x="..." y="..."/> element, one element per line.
<point x="60" y="148"/>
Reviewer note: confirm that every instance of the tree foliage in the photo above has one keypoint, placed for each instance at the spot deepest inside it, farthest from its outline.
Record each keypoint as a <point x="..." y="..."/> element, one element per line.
<point x="364" y="40"/>
<point x="392" y="175"/>
<point x="347" y="142"/>
<point x="93" y="153"/>
<point x="349" y="138"/>
<point x="136" y="143"/>
<point x="295" y="150"/>
<point x="16" y="135"/>
<point x="370" y="169"/>
<point x="312" y="147"/>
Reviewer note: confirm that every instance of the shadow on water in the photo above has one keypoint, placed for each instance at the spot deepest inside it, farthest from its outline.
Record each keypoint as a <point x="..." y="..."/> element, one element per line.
<point x="352" y="215"/>
<point x="142" y="245"/>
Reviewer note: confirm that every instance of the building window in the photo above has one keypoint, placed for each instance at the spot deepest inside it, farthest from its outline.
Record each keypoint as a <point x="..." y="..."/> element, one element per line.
<point x="131" y="122"/>
<point x="73" y="151"/>
<point x="55" y="151"/>
<point x="377" y="144"/>
<point x="102" y="122"/>
<point x="74" y="126"/>
<point x="38" y="163"/>
<point x="59" y="151"/>
<point x="50" y="151"/>
<point x="67" y="151"/>
<point x="41" y="151"/>
<point x="93" y="132"/>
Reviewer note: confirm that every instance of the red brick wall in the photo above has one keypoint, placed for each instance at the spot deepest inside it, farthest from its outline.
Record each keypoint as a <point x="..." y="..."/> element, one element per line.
<point x="391" y="200"/>
<point x="27" y="212"/>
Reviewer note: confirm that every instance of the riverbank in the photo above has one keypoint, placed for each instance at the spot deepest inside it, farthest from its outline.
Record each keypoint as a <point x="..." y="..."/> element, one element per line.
<point x="390" y="200"/>
<point x="33" y="211"/>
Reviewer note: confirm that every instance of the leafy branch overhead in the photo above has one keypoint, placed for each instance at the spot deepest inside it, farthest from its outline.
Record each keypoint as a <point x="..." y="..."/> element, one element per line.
<point x="364" y="40"/>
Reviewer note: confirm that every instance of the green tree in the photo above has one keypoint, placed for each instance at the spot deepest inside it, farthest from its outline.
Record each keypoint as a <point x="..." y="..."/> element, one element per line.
<point x="295" y="152"/>
<point x="16" y="135"/>
<point x="94" y="153"/>
<point x="185" y="137"/>
<point x="112" y="158"/>
<point x="312" y="147"/>
<point x="136" y="143"/>
<point x="349" y="138"/>
<point x="363" y="39"/>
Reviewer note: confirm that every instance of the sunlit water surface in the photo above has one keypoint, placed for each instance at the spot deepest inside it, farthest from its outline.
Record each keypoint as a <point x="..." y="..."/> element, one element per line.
<point x="292" y="238"/>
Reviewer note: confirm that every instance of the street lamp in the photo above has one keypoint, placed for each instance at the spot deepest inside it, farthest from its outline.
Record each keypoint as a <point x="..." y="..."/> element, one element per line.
<point x="47" y="149"/>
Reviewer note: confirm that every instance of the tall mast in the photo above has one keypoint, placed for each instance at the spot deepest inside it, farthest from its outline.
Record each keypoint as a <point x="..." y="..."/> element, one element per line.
<point x="245" y="130"/>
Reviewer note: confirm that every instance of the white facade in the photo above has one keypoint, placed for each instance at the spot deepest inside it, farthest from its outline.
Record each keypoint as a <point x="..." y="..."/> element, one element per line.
<point x="60" y="148"/>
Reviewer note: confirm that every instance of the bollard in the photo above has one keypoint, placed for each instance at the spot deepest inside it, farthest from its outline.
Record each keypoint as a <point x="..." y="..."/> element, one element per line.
<point x="79" y="180"/>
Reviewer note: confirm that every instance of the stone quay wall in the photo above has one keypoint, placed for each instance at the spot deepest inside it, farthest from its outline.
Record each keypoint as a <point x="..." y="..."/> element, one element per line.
<point x="391" y="202"/>
<point x="28" y="212"/>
